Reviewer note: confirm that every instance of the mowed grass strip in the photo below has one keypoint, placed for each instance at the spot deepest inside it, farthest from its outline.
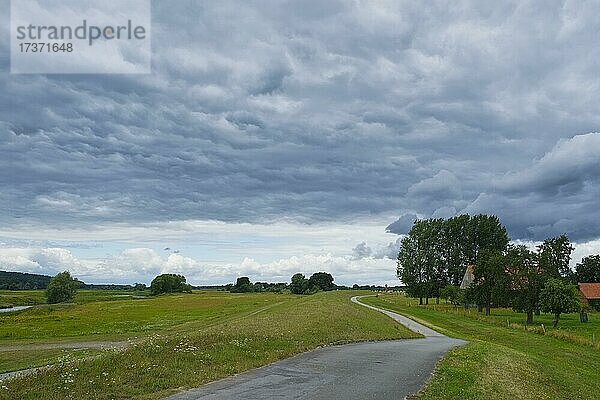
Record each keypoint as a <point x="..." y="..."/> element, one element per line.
<point x="502" y="362"/>
<point x="180" y="359"/>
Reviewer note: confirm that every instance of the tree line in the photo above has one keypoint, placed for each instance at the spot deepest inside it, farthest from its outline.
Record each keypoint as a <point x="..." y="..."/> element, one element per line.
<point x="435" y="254"/>
<point x="319" y="281"/>
<point x="23" y="281"/>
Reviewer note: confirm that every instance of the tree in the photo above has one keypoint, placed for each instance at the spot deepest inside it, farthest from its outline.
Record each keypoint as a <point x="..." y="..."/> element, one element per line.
<point x="436" y="252"/>
<point x="169" y="283"/>
<point x="299" y="284"/>
<point x="558" y="298"/>
<point x="453" y="294"/>
<point x="242" y="285"/>
<point x="555" y="255"/>
<point x="588" y="270"/>
<point x="526" y="280"/>
<point x="421" y="265"/>
<point x="61" y="288"/>
<point x="484" y="233"/>
<point x="321" y="280"/>
<point x="491" y="281"/>
<point x="455" y="247"/>
<point x="409" y="267"/>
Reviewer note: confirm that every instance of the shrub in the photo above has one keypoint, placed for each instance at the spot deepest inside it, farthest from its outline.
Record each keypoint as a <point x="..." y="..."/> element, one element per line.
<point x="242" y="285"/>
<point x="61" y="288"/>
<point x="169" y="283"/>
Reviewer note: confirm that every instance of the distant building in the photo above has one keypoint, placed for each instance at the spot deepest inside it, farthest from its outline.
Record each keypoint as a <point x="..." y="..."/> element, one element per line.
<point x="590" y="294"/>
<point x="468" y="278"/>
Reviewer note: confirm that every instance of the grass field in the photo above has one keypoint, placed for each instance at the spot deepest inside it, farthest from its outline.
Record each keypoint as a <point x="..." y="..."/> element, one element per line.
<point x="191" y="340"/>
<point x="9" y="298"/>
<point x="123" y="317"/>
<point x="503" y="362"/>
<point x="34" y="297"/>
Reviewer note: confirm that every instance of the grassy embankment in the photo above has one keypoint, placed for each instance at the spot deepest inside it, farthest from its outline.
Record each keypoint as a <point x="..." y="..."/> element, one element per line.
<point x="209" y="335"/>
<point x="503" y="362"/>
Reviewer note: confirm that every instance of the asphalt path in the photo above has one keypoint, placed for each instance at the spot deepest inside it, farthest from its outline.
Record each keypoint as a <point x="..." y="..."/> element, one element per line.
<point x="371" y="370"/>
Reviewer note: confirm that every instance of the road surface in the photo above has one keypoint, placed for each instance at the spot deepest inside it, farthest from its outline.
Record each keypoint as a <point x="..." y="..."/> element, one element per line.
<point x="372" y="370"/>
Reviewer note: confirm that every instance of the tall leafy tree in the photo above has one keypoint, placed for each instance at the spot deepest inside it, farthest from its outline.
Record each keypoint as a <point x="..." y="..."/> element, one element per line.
<point x="456" y="247"/>
<point x="484" y="233"/>
<point x="420" y="262"/>
<point x="436" y="251"/>
<point x="555" y="255"/>
<point x="410" y="267"/>
<point x="491" y="280"/>
<point x="526" y="280"/>
<point x="588" y="270"/>
<point x="428" y="234"/>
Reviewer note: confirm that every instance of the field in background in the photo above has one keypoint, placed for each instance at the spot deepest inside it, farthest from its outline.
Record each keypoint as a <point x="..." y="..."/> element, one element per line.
<point x="35" y="297"/>
<point x="98" y="315"/>
<point x="185" y="341"/>
<point x="503" y="362"/>
<point x="9" y="298"/>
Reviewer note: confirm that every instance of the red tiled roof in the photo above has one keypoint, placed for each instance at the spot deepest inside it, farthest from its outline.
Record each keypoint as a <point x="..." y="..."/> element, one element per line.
<point x="590" y="290"/>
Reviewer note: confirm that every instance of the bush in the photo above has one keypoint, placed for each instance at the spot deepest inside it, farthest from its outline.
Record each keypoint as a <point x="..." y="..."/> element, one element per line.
<point x="242" y="285"/>
<point x="169" y="283"/>
<point x="322" y="281"/>
<point x="61" y="288"/>
<point x="318" y="281"/>
<point x="299" y="284"/>
<point x="453" y="294"/>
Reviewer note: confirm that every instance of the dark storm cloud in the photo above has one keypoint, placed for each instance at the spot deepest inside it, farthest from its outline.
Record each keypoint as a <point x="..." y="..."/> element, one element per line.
<point x="402" y="225"/>
<point x="335" y="111"/>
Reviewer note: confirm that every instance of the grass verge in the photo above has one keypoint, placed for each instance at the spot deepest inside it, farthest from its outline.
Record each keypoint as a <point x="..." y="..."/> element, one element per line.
<point x="503" y="362"/>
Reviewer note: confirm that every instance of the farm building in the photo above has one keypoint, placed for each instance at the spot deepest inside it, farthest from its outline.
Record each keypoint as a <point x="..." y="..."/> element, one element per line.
<point x="590" y="294"/>
<point x="468" y="278"/>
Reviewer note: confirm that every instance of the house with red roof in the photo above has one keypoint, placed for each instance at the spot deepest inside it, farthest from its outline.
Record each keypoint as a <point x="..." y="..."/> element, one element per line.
<point x="590" y="294"/>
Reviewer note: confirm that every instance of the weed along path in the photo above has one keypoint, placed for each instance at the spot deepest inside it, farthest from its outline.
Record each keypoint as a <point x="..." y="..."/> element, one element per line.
<point x="369" y="370"/>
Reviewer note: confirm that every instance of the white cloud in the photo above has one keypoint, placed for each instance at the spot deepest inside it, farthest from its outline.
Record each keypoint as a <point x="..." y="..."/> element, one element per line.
<point x="293" y="130"/>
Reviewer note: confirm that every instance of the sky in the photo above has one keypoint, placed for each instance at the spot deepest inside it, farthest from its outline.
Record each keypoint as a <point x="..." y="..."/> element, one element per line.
<point x="300" y="136"/>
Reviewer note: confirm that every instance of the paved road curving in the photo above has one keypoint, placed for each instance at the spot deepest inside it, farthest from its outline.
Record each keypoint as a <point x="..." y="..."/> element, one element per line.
<point x="407" y="322"/>
<point x="372" y="370"/>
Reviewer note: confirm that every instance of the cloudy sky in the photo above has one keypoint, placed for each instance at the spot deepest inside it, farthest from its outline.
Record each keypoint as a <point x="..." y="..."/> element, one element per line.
<point x="275" y="137"/>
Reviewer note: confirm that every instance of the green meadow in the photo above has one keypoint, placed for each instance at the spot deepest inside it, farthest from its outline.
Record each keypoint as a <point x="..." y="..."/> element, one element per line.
<point x="177" y="341"/>
<point x="174" y="342"/>
<point x="505" y="359"/>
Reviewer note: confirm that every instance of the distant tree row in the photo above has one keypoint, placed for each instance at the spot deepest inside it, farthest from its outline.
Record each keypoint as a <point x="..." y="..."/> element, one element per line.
<point x="243" y="285"/>
<point x="22" y="281"/>
<point x="319" y="281"/>
<point x="434" y="256"/>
